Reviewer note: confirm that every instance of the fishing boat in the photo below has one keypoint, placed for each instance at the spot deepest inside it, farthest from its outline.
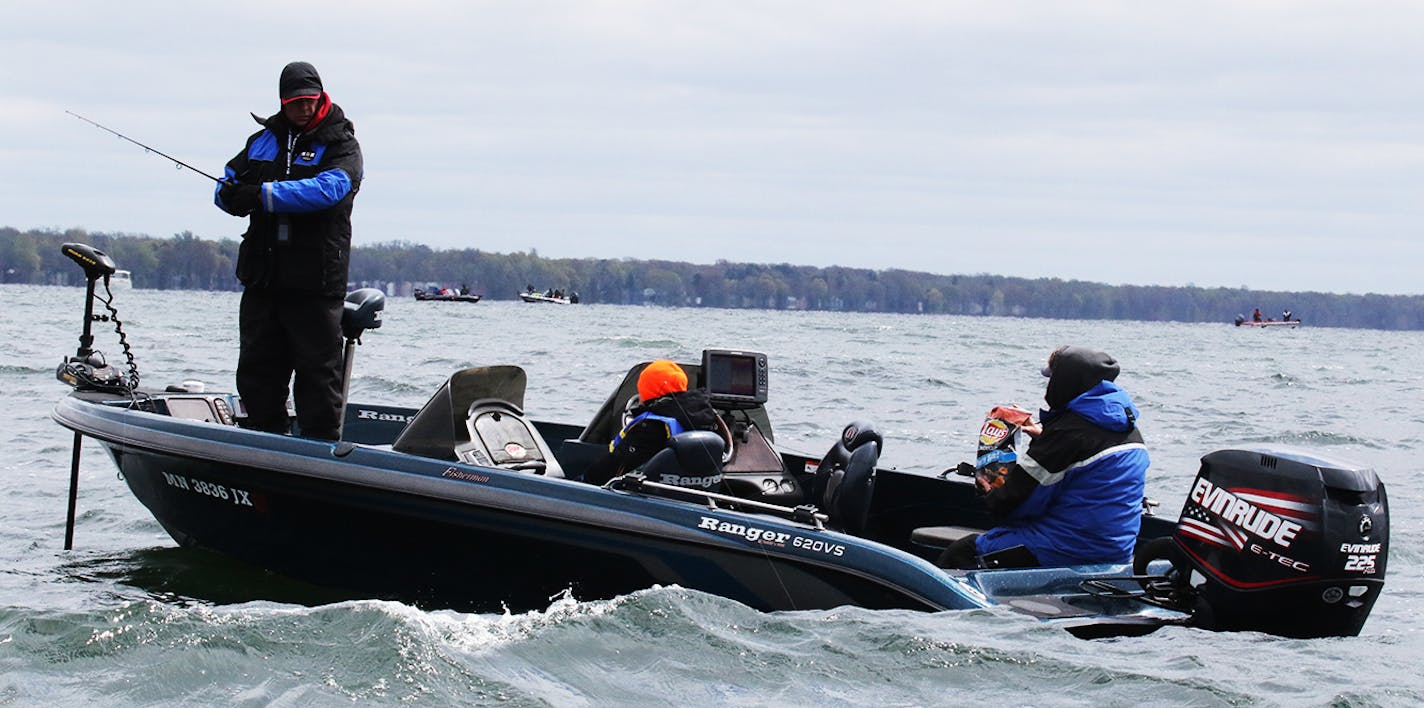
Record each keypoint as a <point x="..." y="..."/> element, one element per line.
<point x="471" y="502"/>
<point x="121" y="280"/>
<point x="1287" y="320"/>
<point x="1289" y="324"/>
<point x="530" y="296"/>
<point x="437" y="295"/>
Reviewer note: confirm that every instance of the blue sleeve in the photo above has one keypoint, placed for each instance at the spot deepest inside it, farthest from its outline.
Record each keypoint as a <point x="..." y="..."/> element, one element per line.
<point x="1037" y="503"/>
<point x="229" y="175"/>
<point x="323" y="191"/>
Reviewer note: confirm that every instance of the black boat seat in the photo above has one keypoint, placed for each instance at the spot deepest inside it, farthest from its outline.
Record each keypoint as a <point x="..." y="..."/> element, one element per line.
<point x="940" y="536"/>
<point x="845" y="480"/>
<point x="692" y="459"/>
<point x="361" y="311"/>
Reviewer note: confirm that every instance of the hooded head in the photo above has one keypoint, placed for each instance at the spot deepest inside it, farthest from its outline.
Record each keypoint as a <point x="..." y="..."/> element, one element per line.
<point x="659" y="379"/>
<point x="299" y="80"/>
<point x="1071" y="371"/>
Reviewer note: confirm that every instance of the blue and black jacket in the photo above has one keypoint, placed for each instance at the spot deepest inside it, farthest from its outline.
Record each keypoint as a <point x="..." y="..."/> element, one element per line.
<point x="300" y="236"/>
<point x="1087" y="470"/>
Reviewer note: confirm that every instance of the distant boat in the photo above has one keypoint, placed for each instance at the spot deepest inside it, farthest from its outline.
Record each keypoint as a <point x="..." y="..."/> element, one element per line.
<point x="1290" y="324"/>
<point x="447" y="297"/>
<point x="121" y="280"/>
<point x="540" y="297"/>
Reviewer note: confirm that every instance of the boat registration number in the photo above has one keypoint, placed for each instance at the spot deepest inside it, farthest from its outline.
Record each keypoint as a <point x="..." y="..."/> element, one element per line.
<point x="237" y="496"/>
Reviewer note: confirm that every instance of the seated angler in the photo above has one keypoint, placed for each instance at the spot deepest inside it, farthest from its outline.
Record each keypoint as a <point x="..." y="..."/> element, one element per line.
<point x="1075" y="496"/>
<point x="666" y="408"/>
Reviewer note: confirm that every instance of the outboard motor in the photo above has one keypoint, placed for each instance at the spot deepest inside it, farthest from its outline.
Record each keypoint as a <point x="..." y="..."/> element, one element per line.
<point x="1281" y="541"/>
<point x="845" y="479"/>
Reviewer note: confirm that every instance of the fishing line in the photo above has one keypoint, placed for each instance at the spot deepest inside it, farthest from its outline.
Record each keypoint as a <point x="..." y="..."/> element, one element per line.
<point x="177" y="162"/>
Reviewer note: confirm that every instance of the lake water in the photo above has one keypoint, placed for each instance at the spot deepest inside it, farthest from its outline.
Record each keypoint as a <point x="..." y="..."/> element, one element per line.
<point x="127" y="618"/>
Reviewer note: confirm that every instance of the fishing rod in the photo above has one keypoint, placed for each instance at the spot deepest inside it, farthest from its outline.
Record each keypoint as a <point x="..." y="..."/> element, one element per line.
<point x="181" y="164"/>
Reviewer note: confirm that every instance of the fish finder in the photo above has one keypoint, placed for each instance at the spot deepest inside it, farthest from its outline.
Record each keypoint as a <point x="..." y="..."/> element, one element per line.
<point x="734" y="379"/>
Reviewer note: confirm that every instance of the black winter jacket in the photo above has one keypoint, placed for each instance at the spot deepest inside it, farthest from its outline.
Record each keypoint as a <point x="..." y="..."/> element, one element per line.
<point x="300" y="236"/>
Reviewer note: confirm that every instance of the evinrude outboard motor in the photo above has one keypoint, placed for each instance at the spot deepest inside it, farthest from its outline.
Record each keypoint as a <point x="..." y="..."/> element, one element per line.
<point x="1281" y="541"/>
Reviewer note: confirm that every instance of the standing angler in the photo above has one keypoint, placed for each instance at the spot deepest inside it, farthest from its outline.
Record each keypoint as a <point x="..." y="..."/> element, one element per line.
<point x="295" y="180"/>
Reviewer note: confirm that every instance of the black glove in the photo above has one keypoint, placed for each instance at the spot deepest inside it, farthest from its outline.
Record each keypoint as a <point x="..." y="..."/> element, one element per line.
<point x="241" y="199"/>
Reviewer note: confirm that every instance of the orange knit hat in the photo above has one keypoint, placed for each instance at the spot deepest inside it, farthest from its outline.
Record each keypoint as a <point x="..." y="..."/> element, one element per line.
<point x="661" y="378"/>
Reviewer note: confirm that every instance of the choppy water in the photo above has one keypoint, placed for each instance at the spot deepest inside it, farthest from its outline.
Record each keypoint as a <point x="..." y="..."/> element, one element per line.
<point x="129" y="619"/>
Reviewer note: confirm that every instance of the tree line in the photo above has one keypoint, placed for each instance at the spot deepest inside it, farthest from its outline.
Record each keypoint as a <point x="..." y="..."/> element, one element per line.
<point x="185" y="261"/>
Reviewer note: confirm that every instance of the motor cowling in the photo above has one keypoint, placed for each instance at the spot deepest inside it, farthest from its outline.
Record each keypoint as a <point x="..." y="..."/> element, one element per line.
<point x="1283" y="541"/>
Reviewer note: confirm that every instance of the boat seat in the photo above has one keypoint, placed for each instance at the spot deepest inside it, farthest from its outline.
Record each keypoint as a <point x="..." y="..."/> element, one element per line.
<point x="480" y="409"/>
<point x="940" y="536"/>
<point x="692" y="459"/>
<point x="845" y="480"/>
<point x="500" y="436"/>
<point x="361" y="311"/>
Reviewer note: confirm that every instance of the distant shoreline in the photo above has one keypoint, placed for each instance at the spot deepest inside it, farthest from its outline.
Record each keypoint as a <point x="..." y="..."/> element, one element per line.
<point x="187" y="262"/>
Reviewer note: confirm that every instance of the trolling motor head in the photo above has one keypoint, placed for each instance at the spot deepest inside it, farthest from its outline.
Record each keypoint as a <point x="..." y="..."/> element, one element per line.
<point x="96" y="263"/>
<point x="1280" y="541"/>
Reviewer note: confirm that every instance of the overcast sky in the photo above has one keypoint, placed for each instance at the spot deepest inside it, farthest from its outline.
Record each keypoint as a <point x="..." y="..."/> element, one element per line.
<point x="1273" y="145"/>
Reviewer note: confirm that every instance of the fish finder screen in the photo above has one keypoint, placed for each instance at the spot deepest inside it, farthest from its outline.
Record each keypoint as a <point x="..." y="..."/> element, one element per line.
<point x="735" y="377"/>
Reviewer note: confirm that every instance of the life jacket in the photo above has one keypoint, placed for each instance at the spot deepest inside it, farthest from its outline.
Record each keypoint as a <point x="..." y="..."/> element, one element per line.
<point x="673" y="425"/>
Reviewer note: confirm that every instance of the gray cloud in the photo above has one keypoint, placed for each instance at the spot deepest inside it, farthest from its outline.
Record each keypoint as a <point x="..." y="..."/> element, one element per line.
<point x="1265" y="144"/>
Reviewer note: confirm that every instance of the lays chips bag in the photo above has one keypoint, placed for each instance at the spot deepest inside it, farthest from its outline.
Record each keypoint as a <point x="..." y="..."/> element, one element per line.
<point x="997" y="438"/>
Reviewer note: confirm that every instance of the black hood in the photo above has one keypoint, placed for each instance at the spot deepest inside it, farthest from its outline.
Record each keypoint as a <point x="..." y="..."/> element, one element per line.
<point x="1075" y="370"/>
<point x="299" y="79"/>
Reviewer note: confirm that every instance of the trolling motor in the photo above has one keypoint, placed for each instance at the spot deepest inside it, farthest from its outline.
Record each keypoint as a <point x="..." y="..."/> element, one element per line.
<point x="1275" y="540"/>
<point x="87" y="370"/>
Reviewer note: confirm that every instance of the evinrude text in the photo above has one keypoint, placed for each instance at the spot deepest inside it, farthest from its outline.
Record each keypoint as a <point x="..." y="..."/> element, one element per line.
<point x="1234" y="509"/>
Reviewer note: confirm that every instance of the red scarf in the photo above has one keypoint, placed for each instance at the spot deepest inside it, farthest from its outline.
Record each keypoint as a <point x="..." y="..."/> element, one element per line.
<point x="323" y="107"/>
